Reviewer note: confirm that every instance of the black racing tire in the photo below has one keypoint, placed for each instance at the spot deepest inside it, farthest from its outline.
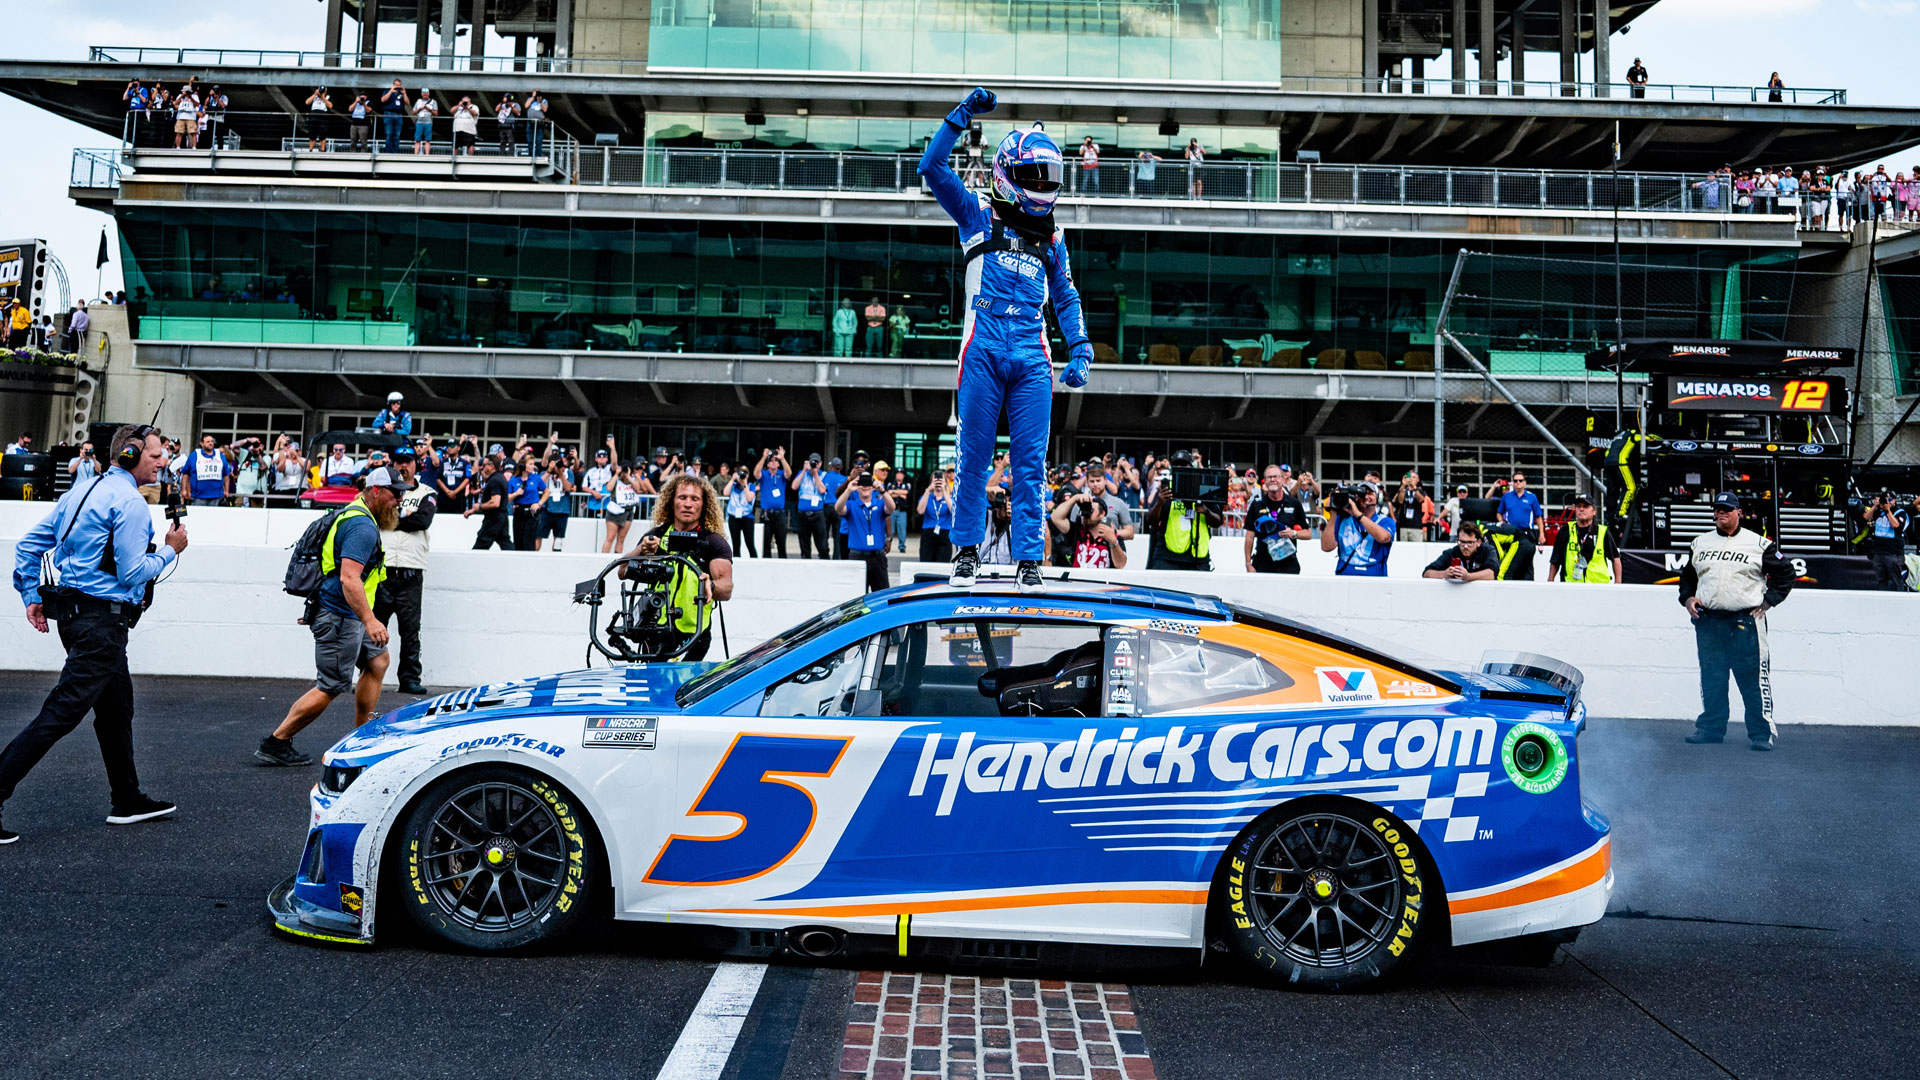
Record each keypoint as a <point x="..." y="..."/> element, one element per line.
<point x="1330" y="896"/>
<point x="497" y="858"/>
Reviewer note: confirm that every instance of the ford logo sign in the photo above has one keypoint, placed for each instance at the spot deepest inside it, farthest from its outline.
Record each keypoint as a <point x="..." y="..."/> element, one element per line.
<point x="1684" y="445"/>
<point x="1811" y="448"/>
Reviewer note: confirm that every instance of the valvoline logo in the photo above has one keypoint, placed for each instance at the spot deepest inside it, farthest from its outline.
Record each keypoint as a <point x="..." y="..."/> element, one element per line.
<point x="1346" y="685"/>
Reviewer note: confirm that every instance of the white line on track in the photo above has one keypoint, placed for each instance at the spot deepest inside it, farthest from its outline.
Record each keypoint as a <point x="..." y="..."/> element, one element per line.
<point x="707" y="1040"/>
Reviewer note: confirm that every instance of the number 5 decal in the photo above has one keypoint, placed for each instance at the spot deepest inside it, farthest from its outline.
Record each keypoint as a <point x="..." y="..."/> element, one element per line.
<point x="775" y="815"/>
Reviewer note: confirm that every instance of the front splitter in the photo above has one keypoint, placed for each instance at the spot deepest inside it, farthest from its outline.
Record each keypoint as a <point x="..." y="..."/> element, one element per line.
<point x="285" y="909"/>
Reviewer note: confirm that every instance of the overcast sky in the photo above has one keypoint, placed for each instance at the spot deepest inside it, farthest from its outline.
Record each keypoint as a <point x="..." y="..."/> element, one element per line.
<point x="1863" y="46"/>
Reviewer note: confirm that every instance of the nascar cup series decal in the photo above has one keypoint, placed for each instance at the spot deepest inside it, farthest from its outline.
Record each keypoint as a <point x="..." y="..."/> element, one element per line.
<point x="1230" y="754"/>
<point x="628" y="732"/>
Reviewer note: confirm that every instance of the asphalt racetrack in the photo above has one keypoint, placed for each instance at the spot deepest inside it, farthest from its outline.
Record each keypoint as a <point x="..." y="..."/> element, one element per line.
<point x="1760" y="928"/>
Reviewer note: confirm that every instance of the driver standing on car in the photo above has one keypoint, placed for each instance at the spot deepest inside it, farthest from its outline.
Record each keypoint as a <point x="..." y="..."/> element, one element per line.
<point x="688" y="505"/>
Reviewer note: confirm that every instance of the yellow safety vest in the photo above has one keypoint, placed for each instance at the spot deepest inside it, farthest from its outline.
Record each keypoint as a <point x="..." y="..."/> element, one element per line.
<point x="1599" y="568"/>
<point x="685" y="593"/>
<point x="1181" y="529"/>
<point x="371" y="575"/>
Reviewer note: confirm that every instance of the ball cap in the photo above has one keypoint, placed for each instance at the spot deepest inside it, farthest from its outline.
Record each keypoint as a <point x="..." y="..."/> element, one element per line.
<point x="402" y="453"/>
<point x="1581" y="499"/>
<point x="387" y="478"/>
<point x="1726" y="500"/>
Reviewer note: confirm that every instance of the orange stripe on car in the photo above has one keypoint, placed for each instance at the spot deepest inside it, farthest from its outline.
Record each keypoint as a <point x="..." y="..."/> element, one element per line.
<point x="1567" y="880"/>
<point x="981" y="903"/>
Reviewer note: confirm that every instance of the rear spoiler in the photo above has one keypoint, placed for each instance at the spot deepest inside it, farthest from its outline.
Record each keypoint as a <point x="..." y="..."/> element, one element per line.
<point x="1558" y="674"/>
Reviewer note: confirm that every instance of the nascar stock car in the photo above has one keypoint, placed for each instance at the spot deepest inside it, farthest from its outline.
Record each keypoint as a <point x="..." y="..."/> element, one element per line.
<point x="981" y="774"/>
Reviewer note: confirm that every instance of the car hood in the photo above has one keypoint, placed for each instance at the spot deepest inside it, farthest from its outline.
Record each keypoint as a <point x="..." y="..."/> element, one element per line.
<point x="637" y="688"/>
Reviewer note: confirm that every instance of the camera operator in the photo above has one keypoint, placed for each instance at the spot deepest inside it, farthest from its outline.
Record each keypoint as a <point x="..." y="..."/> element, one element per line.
<point x="1118" y="516"/>
<point x="1469" y="559"/>
<point x="866" y="510"/>
<point x="1887" y="530"/>
<point x="1585" y="550"/>
<point x="1358" y="530"/>
<point x="1091" y="540"/>
<point x="492" y="507"/>
<point x="688" y="505"/>
<point x="1276" y="523"/>
<point x="99" y="543"/>
<point x="406" y="546"/>
<point x="1180" y="533"/>
<point x="815" y="491"/>
<point x="347" y="634"/>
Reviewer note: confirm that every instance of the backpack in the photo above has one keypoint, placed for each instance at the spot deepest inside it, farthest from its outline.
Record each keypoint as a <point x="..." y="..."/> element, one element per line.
<point x="303" y="567"/>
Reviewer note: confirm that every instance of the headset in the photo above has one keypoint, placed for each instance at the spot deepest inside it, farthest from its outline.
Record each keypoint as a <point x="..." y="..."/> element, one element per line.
<point x="134" y="447"/>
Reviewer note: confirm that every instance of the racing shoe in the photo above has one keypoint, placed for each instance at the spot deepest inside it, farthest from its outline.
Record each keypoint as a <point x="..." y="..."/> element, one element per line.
<point x="1699" y="737"/>
<point x="1764" y="742"/>
<point x="966" y="568"/>
<point x="1029" y="574"/>
<point x="280" y="752"/>
<point x="137" y="809"/>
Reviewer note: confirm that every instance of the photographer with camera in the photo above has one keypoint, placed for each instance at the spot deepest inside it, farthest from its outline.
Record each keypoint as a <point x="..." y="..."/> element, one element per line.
<point x="1412" y="509"/>
<point x="83" y="467"/>
<point x="1887" y="526"/>
<point x="492" y="506"/>
<point x="1469" y="559"/>
<point x="740" y="495"/>
<point x="866" y="510"/>
<point x="90" y="566"/>
<point x="774" y="476"/>
<point x="686" y="521"/>
<point x="1180" y="531"/>
<point x="1358" y="530"/>
<point x="1276" y="523"/>
<point x="936" y="519"/>
<point x="1090" y="537"/>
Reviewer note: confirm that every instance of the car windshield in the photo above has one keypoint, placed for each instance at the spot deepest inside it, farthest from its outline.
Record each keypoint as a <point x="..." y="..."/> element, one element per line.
<point x="769" y="650"/>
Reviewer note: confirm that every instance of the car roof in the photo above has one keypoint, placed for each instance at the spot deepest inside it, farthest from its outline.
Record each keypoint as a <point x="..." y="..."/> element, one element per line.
<point x="930" y="587"/>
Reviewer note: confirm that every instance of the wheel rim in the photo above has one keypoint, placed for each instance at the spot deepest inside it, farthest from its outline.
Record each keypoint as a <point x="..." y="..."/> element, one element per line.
<point x="495" y="857"/>
<point x="1325" y="890"/>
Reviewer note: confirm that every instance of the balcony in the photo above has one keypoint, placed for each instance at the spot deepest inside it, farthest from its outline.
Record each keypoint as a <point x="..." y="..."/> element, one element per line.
<point x="270" y="144"/>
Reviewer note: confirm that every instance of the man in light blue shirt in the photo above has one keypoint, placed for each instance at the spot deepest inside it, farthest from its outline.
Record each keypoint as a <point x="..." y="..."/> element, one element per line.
<point x="1361" y="533"/>
<point x="100" y="538"/>
<point x="773" y="476"/>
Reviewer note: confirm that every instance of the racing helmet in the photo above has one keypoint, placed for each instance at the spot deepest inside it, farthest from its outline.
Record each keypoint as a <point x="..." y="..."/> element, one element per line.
<point x="1027" y="170"/>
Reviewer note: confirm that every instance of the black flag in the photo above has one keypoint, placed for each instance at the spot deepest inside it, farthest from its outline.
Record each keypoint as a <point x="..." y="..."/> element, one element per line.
<point x="100" y="260"/>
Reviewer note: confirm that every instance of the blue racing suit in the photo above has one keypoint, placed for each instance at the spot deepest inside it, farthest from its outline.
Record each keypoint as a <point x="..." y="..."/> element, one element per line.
<point x="1005" y="361"/>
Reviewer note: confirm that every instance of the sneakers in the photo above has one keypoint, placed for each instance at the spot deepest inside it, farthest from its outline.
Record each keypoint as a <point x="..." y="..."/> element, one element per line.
<point x="139" y="808"/>
<point x="966" y="568"/>
<point x="280" y="752"/>
<point x="1029" y="574"/>
<point x="1699" y="737"/>
<point x="415" y="689"/>
<point x="1764" y="742"/>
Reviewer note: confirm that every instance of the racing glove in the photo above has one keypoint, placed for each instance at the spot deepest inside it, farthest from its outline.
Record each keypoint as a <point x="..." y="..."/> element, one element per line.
<point x="981" y="100"/>
<point x="1079" y="356"/>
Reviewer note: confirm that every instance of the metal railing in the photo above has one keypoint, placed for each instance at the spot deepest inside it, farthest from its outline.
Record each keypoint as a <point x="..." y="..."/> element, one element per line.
<point x="1409" y="28"/>
<point x="1132" y="179"/>
<point x="95" y="169"/>
<point x="347" y="58"/>
<point x="1113" y="179"/>
<point x="521" y="140"/>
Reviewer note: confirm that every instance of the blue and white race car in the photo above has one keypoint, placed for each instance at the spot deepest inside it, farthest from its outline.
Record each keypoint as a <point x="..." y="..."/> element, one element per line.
<point x="981" y="774"/>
